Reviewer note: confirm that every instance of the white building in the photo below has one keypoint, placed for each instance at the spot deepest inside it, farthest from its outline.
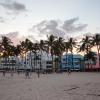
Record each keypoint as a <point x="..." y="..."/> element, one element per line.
<point x="9" y="62"/>
<point x="36" y="61"/>
<point x="31" y="61"/>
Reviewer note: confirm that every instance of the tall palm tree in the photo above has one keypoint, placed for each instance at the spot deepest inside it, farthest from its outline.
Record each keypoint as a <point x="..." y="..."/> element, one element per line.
<point x="36" y="49"/>
<point x="5" y="43"/>
<point x="72" y="45"/>
<point x="17" y="53"/>
<point x="1" y="54"/>
<point x="59" y="48"/>
<point x="91" y="57"/>
<point x="85" y="46"/>
<point x="67" y="47"/>
<point x="42" y="47"/>
<point x="26" y="47"/>
<point x="11" y="55"/>
<point x="50" y="42"/>
<point x="23" y="51"/>
<point x="96" y="43"/>
<point x="30" y="49"/>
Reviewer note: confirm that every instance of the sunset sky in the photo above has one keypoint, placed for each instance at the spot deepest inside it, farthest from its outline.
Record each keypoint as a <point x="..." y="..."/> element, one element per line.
<point x="38" y="18"/>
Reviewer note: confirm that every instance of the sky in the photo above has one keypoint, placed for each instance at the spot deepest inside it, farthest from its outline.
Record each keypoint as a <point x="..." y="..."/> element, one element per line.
<point x="36" y="19"/>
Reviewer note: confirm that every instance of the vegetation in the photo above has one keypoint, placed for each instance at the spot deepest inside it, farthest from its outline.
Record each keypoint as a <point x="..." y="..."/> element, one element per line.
<point x="56" y="46"/>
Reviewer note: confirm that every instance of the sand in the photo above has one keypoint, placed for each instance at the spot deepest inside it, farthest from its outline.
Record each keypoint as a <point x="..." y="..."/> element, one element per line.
<point x="57" y="86"/>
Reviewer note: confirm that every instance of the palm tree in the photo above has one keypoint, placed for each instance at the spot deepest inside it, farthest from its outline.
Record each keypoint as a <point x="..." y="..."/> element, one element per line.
<point x="30" y="48"/>
<point x="67" y="47"/>
<point x="42" y="47"/>
<point x="23" y="50"/>
<point x="5" y="44"/>
<point x="17" y="53"/>
<point x="91" y="57"/>
<point x="1" y="54"/>
<point x="85" y="46"/>
<point x="11" y="54"/>
<point x="50" y="44"/>
<point x="96" y="42"/>
<point x="72" y="45"/>
<point x="36" y="49"/>
<point x="59" y="48"/>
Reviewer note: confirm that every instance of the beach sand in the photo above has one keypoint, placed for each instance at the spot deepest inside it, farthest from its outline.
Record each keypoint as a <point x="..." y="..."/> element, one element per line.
<point x="56" y="86"/>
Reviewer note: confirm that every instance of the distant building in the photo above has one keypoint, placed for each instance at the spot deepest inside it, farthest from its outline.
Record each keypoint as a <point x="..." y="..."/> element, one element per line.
<point x="93" y="65"/>
<point x="8" y="62"/>
<point x="36" y="61"/>
<point x="72" y="62"/>
<point x="42" y="61"/>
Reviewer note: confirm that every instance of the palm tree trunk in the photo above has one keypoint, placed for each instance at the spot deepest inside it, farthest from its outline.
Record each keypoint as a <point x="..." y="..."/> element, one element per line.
<point x="66" y="61"/>
<point x="53" y="69"/>
<point x="22" y="61"/>
<point x="60" y="63"/>
<point x="91" y="63"/>
<point x="98" y="55"/>
<point x="12" y="63"/>
<point x="12" y="67"/>
<point x="88" y="66"/>
<point x="41" y="61"/>
<point x="6" y="62"/>
<point x="72" y="61"/>
<point x="31" y="60"/>
<point x="17" y="64"/>
<point x="34" y="61"/>
<point x="84" y="63"/>
<point x="25" y="61"/>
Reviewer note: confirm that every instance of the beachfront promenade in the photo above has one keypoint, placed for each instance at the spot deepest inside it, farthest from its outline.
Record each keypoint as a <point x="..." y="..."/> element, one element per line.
<point x="56" y="86"/>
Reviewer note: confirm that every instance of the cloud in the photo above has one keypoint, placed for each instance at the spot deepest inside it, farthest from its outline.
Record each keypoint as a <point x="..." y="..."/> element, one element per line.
<point x="13" y="6"/>
<point x="58" y="29"/>
<point x="2" y="20"/>
<point x="14" y="36"/>
<point x="88" y="34"/>
<point x="70" y="27"/>
<point x="48" y="27"/>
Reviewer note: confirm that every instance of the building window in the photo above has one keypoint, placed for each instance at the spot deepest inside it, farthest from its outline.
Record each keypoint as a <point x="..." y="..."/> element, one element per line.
<point x="77" y="63"/>
<point x="49" y="66"/>
<point x="64" y="59"/>
<point x="49" y="62"/>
